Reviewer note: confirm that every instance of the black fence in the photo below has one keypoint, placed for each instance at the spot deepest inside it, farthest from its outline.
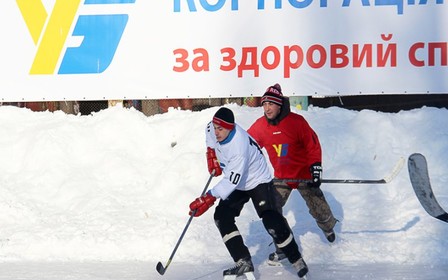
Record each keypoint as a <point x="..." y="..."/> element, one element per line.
<point x="382" y="103"/>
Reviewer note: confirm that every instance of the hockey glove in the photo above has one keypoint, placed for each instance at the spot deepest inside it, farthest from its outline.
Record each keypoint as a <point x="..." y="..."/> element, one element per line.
<point x="201" y="204"/>
<point x="316" y="174"/>
<point x="213" y="163"/>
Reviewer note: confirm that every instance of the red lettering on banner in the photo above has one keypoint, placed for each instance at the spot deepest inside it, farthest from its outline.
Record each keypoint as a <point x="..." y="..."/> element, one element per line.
<point x="338" y="56"/>
<point x="288" y="63"/>
<point x="443" y="53"/>
<point x="230" y="58"/>
<point x="253" y="66"/>
<point x="389" y="52"/>
<point x="200" y="63"/>
<point x="182" y="60"/>
<point x="321" y="59"/>
<point x="365" y="54"/>
<point x="264" y="58"/>
<point x="412" y="54"/>
<point x="316" y="56"/>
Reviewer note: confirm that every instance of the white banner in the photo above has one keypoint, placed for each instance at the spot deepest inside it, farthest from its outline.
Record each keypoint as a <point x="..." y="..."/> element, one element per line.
<point x="148" y="49"/>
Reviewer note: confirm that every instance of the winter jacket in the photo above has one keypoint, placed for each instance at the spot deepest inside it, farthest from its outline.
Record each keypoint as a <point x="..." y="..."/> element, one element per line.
<point x="292" y="145"/>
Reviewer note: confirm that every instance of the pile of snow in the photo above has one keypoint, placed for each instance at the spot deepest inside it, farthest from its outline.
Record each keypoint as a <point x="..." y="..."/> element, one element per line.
<point x="115" y="186"/>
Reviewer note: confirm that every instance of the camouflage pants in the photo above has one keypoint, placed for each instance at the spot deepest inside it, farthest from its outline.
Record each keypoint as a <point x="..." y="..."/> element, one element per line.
<point x="314" y="199"/>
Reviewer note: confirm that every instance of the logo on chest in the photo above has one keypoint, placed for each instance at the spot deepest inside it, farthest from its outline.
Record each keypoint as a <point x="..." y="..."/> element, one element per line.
<point x="281" y="149"/>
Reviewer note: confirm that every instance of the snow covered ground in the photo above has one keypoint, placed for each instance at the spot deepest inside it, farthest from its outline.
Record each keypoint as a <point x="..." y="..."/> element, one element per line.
<point x="106" y="196"/>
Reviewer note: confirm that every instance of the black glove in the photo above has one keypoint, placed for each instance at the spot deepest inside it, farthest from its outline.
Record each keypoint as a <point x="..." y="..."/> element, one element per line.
<point x="316" y="174"/>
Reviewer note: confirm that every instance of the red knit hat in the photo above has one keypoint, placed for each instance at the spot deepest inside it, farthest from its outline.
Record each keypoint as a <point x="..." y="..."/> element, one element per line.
<point x="273" y="94"/>
<point x="224" y="118"/>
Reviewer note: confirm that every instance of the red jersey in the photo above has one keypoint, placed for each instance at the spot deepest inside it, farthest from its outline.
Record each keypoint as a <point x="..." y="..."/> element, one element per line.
<point x="292" y="145"/>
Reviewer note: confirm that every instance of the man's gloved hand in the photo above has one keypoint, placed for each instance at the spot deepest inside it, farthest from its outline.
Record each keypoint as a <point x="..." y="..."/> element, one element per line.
<point x="201" y="204"/>
<point x="213" y="163"/>
<point x="316" y="174"/>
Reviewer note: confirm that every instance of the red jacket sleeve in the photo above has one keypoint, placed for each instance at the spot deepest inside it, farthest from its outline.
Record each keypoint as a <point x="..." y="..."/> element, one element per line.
<point x="311" y="143"/>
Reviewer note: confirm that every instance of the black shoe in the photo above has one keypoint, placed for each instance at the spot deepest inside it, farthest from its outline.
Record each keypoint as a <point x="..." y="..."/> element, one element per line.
<point x="243" y="267"/>
<point x="330" y="235"/>
<point x="301" y="267"/>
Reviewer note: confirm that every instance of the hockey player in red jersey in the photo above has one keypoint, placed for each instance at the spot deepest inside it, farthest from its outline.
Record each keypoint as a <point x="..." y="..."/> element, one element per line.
<point x="295" y="153"/>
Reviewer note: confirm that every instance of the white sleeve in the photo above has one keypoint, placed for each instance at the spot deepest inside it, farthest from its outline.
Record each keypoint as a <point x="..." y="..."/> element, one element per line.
<point x="234" y="175"/>
<point x="210" y="138"/>
<point x="235" y="156"/>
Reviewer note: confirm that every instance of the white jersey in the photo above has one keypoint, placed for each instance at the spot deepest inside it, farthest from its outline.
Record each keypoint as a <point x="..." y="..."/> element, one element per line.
<point x="241" y="159"/>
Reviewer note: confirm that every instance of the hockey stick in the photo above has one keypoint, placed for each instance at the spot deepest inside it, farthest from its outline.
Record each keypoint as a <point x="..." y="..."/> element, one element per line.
<point x="384" y="180"/>
<point x="162" y="269"/>
<point x="418" y="173"/>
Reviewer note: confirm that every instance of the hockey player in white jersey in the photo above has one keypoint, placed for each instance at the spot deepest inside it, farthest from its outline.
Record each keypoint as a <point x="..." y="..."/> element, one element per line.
<point x="233" y="153"/>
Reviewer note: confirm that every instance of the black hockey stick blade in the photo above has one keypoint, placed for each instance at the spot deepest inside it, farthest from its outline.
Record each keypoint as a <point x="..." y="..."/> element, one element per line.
<point x="419" y="176"/>
<point x="160" y="269"/>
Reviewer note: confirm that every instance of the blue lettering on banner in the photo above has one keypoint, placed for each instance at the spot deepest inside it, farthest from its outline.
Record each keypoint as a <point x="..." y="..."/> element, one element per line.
<point x="191" y="5"/>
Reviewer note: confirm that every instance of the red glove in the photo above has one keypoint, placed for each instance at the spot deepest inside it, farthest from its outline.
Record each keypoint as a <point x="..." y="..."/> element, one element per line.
<point x="213" y="163"/>
<point x="201" y="204"/>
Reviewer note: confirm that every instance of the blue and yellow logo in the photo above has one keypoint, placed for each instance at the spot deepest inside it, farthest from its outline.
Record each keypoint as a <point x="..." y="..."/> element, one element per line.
<point x="100" y="35"/>
<point x="281" y="149"/>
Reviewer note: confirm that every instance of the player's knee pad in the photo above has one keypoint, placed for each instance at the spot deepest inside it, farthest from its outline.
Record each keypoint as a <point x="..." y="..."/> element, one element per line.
<point x="276" y="226"/>
<point x="224" y="220"/>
